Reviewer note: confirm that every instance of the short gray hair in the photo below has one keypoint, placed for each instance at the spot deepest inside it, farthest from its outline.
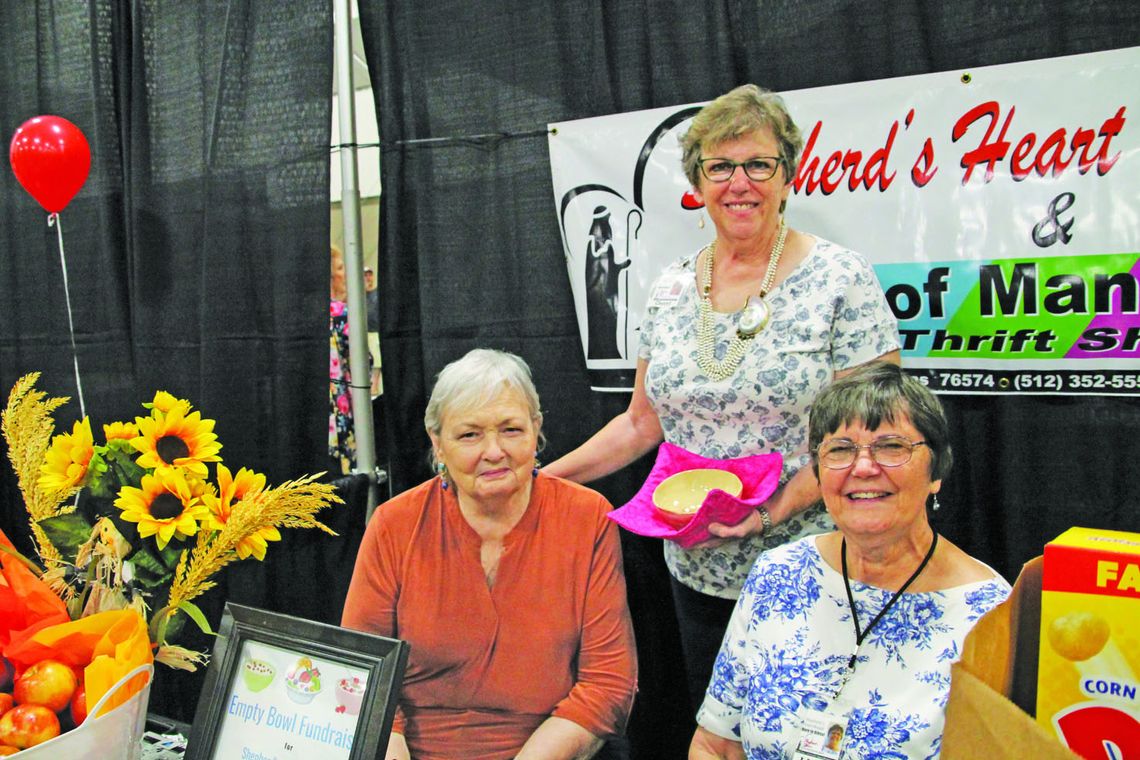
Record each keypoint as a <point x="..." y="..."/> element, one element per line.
<point x="476" y="379"/>
<point x="876" y="392"/>
<point x="743" y="111"/>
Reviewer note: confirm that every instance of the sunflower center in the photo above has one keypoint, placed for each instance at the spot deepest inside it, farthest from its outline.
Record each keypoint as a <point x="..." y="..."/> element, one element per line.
<point x="165" y="506"/>
<point x="170" y="448"/>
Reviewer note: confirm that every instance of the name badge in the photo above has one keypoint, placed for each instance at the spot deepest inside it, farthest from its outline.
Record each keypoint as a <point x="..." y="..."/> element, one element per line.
<point x="821" y="736"/>
<point x="668" y="289"/>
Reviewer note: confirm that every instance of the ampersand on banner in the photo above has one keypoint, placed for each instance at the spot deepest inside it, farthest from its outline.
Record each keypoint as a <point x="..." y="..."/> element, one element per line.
<point x="1058" y="230"/>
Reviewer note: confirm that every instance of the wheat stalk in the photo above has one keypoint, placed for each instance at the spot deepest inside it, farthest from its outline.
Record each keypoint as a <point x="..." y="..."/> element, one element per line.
<point x="28" y="428"/>
<point x="293" y="504"/>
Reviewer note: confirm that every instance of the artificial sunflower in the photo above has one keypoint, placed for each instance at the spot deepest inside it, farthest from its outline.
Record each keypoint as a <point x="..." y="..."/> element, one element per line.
<point x="120" y="431"/>
<point x="164" y="506"/>
<point x="66" y="461"/>
<point x="200" y="489"/>
<point x="165" y="403"/>
<point x="232" y="490"/>
<point x="177" y="439"/>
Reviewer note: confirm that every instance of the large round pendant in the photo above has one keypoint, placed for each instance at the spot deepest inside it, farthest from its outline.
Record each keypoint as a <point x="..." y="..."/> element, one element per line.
<point x="752" y="317"/>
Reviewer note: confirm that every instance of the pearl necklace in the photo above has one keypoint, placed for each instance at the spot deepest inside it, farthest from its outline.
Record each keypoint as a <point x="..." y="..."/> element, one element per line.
<point x="750" y="320"/>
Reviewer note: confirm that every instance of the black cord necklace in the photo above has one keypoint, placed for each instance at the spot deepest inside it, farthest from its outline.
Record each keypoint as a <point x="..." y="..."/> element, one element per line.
<point x="861" y="635"/>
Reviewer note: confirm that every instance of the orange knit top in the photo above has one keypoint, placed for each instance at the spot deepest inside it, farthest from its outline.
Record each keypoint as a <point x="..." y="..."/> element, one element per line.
<point x="488" y="665"/>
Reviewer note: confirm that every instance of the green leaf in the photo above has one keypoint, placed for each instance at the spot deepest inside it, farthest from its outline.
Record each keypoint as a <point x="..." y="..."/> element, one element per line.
<point x="96" y="479"/>
<point x="67" y="532"/>
<point x="196" y="615"/>
<point x="170" y="553"/>
<point x="117" y="468"/>
<point x="149" y="572"/>
<point x="121" y="446"/>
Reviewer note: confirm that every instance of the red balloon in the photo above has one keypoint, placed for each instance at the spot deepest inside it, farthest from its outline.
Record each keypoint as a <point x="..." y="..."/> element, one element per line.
<point x="51" y="159"/>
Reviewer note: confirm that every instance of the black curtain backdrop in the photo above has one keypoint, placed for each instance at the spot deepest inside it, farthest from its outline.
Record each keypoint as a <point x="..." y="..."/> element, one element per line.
<point x="470" y="253"/>
<point x="196" y="252"/>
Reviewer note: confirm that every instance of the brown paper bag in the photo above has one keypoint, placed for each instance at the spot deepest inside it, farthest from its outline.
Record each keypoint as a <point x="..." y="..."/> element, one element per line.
<point x="999" y="660"/>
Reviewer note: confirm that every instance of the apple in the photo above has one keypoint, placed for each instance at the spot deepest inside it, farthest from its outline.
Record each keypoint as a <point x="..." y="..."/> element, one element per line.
<point x="28" y="725"/>
<point x="79" y="705"/>
<point x="48" y="682"/>
<point x="6" y="702"/>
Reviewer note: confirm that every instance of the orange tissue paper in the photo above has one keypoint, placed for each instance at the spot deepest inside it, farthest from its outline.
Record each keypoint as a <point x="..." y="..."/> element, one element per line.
<point x="109" y="645"/>
<point x="27" y="604"/>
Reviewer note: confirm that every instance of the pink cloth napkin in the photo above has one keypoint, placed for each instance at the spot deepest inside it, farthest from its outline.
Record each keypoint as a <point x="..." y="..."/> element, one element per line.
<point x="759" y="474"/>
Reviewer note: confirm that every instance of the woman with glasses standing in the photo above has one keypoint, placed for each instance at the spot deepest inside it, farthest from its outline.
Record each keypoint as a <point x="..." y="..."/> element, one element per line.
<point x="856" y="628"/>
<point x="737" y="340"/>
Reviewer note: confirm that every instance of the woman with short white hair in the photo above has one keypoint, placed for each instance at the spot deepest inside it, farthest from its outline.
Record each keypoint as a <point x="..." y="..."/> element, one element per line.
<point x="507" y="583"/>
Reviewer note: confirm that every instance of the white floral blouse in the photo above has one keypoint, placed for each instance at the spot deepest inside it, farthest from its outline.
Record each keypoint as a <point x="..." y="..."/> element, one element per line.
<point x="789" y="641"/>
<point x="829" y="315"/>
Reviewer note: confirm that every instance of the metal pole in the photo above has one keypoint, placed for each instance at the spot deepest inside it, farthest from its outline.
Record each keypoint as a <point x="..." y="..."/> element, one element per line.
<point x="354" y="257"/>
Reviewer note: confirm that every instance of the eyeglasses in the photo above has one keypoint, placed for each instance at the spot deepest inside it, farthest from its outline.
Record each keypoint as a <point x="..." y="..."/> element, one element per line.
<point x="759" y="169"/>
<point x="888" y="451"/>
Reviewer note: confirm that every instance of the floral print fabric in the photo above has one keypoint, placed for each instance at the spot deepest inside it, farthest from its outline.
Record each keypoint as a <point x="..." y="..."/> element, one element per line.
<point x="829" y="315"/>
<point x="789" y="641"/>
<point x="342" y="438"/>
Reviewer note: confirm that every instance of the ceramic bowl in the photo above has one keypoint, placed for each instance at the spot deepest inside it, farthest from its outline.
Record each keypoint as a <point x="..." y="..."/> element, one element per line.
<point x="679" y="496"/>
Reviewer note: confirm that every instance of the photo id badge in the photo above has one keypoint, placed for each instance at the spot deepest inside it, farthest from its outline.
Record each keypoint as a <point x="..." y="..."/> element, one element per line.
<point x="821" y="736"/>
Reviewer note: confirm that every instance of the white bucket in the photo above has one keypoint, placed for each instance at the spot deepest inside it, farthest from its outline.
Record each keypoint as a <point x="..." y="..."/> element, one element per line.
<point x="116" y="735"/>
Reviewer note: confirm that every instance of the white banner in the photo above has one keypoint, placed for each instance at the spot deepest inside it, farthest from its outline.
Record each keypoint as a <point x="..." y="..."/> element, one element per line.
<point x="1000" y="207"/>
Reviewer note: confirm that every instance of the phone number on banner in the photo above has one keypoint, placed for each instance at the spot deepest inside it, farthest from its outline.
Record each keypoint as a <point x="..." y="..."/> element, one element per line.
<point x="1062" y="382"/>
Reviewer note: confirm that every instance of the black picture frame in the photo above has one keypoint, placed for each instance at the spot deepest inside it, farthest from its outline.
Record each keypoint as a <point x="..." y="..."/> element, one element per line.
<point x="383" y="659"/>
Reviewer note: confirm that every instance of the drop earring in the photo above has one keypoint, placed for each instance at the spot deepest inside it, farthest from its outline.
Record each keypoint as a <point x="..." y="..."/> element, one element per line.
<point x="935" y="506"/>
<point x="701" y="221"/>
<point x="441" y="470"/>
<point x="537" y="467"/>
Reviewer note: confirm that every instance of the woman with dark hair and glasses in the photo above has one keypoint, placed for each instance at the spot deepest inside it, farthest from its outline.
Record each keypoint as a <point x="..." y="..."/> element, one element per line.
<point x="748" y="330"/>
<point x="856" y="628"/>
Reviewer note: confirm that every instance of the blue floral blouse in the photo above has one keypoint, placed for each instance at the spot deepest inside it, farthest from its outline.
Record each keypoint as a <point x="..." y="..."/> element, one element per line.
<point x="829" y="315"/>
<point x="789" y="642"/>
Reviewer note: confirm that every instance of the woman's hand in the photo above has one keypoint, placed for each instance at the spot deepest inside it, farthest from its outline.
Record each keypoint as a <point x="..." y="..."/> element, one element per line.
<point x="799" y="493"/>
<point x="751" y="525"/>
<point x="708" y="746"/>
<point x="560" y="739"/>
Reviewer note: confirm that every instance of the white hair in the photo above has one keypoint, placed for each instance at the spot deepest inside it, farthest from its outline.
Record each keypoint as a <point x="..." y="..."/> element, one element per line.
<point x="473" y="381"/>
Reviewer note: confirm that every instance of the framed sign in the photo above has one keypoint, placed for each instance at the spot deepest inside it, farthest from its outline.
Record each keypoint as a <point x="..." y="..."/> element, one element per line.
<point x="282" y="687"/>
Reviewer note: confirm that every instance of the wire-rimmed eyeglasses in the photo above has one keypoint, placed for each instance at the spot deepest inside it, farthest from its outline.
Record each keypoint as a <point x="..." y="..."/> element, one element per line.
<point x="758" y="169"/>
<point x="887" y="451"/>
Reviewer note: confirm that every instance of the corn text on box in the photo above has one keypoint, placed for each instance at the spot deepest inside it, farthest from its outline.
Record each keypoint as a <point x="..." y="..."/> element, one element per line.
<point x="1088" y="679"/>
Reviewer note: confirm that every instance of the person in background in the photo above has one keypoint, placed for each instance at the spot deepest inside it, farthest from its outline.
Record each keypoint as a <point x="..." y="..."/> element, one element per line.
<point x="506" y="582"/>
<point x="856" y="628"/>
<point x="766" y="316"/>
<point x="372" y="300"/>
<point x="342" y="438"/>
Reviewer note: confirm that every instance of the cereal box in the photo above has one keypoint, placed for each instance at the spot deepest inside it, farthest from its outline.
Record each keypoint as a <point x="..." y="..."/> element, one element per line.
<point x="1088" y="679"/>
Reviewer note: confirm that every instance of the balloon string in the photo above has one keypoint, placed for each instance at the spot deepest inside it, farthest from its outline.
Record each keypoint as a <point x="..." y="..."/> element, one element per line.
<point x="55" y="221"/>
